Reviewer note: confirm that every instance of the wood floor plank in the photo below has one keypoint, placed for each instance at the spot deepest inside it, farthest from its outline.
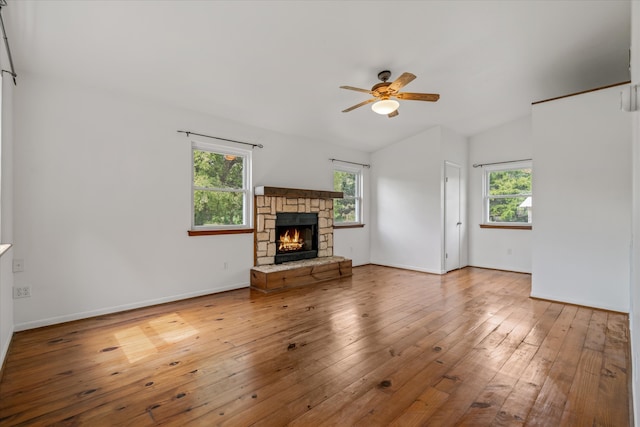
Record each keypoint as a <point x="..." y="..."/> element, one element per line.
<point x="613" y="391"/>
<point x="552" y="398"/>
<point x="381" y="402"/>
<point x="358" y="388"/>
<point x="384" y="347"/>
<point x="351" y="346"/>
<point x="478" y="369"/>
<point x="450" y="322"/>
<point x="548" y="334"/>
<point x="421" y="409"/>
<point x="487" y="404"/>
<point x="582" y="399"/>
<point x="282" y="384"/>
<point x="390" y="351"/>
<point x="232" y="376"/>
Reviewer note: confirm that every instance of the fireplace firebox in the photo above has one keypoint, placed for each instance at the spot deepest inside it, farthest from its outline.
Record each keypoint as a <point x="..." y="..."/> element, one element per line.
<point x="296" y="236"/>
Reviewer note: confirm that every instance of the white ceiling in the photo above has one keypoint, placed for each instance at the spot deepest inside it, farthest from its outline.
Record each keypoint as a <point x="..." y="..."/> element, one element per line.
<point x="278" y="64"/>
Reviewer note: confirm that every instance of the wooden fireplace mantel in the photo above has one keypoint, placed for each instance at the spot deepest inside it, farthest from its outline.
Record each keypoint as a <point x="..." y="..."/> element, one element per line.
<point x="297" y="192"/>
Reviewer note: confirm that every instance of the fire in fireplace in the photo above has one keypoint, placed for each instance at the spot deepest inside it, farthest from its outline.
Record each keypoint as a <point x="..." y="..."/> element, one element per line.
<point x="290" y="241"/>
<point x="297" y="236"/>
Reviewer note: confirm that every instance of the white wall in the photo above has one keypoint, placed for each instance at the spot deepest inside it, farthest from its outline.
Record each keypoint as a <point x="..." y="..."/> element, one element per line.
<point x="635" y="260"/>
<point x="498" y="248"/>
<point x="405" y="203"/>
<point x="582" y="185"/>
<point x="407" y="199"/>
<point x="102" y="201"/>
<point x="6" y="215"/>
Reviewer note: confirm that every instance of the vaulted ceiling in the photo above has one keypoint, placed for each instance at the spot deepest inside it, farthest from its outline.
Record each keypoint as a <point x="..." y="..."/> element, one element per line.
<point x="278" y="65"/>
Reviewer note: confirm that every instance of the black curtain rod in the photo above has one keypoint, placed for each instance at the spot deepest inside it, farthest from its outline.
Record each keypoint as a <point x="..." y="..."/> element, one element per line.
<point x="221" y="139"/>
<point x="6" y="44"/>
<point x="499" y="163"/>
<point x="351" y="163"/>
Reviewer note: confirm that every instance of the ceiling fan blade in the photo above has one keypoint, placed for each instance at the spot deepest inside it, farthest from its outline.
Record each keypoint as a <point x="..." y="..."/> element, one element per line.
<point x="401" y="81"/>
<point x="368" y="101"/>
<point x="393" y="114"/>
<point x="433" y="97"/>
<point x="357" y="89"/>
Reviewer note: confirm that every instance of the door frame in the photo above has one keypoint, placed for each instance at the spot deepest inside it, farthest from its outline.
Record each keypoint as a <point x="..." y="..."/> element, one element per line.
<point x="444" y="215"/>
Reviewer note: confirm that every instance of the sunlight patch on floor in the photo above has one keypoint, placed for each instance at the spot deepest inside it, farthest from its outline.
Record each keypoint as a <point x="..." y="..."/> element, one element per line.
<point x="172" y="328"/>
<point x="135" y="344"/>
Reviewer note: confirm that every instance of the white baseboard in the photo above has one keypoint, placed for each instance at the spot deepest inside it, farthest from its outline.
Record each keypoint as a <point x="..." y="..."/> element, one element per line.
<point x="5" y="347"/>
<point x="578" y="301"/>
<point x="409" y="267"/>
<point x="108" y="310"/>
<point x="501" y="268"/>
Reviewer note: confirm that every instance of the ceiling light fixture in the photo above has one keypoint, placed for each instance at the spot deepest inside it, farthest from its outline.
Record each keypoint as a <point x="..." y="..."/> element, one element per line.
<point x="385" y="106"/>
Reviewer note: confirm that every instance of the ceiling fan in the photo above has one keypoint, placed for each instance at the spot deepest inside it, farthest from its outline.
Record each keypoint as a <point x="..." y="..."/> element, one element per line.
<point x="382" y="93"/>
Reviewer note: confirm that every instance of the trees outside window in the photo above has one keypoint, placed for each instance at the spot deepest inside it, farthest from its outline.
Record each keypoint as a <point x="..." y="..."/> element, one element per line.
<point x="507" y="194"/>
<point x="348" y="209"/>
<point x="220" y="187"/>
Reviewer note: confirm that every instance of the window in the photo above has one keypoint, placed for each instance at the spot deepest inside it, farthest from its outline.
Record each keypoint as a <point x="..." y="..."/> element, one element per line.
<point x="507" y="194"/>
<point x="221" y="187"/>
<point x="347" y="210"/>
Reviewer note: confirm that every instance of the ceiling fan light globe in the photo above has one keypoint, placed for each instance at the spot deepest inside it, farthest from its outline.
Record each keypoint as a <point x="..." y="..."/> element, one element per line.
<point x="385" y="106"/>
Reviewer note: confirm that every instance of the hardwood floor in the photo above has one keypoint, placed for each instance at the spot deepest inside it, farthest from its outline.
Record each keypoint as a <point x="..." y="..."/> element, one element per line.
<point x="384" y="347"/>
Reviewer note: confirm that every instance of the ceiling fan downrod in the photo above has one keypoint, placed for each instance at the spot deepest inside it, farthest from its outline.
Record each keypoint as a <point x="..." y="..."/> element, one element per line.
<point x="384" y="75"/>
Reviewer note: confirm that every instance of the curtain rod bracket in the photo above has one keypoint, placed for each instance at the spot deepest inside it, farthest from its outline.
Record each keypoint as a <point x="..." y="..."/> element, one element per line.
<point x="13" y="75"/>
<point x="187" y="132"/>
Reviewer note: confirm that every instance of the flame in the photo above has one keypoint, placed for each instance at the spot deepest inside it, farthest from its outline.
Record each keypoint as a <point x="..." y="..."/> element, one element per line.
<point x="290" y="243"/>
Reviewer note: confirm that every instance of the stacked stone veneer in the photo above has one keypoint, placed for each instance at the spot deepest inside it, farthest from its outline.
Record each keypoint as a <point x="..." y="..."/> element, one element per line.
<point x="265" y="236"/>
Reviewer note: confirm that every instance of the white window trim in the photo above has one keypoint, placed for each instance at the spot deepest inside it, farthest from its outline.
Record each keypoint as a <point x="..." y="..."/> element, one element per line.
<point x="247" y="187"/>
<point x="528" y="164"/>
<point x="357" y="198"/>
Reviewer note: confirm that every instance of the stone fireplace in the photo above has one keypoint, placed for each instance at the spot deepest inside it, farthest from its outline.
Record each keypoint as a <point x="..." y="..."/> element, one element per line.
<point x="273" y="203"/>
<point x="294" y="239"/>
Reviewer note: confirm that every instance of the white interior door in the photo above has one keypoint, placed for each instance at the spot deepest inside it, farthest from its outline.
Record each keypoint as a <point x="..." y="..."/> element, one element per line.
<point x="452" y="221"/>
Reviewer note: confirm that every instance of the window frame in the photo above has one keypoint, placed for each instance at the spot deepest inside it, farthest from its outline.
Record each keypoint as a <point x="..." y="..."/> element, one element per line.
<point x="486" y="220"/>
<point x="247" y="188"/>
<point x="357" y="197"/>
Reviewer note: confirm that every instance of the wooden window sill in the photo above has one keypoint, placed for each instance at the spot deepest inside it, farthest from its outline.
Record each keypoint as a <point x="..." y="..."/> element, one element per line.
<point x="216" y="232"/>
<point x="348" y="226"/>
<point x="507" y="227"/>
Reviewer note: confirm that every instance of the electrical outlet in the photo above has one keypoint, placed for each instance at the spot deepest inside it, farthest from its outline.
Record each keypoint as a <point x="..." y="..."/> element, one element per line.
<point x="226" y="265"/>
<point x="18" y="265"/>
<point x="21" y="291"/>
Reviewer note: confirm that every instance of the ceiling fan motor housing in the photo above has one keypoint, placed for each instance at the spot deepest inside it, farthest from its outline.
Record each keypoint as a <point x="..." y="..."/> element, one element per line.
<point x="380" y="89"/>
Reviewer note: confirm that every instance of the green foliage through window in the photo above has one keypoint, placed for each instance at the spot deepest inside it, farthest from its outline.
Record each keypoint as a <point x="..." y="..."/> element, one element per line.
<point x="346" y="210"/>
<point x="218" y="188"/>
<point x="509" y="197"/>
